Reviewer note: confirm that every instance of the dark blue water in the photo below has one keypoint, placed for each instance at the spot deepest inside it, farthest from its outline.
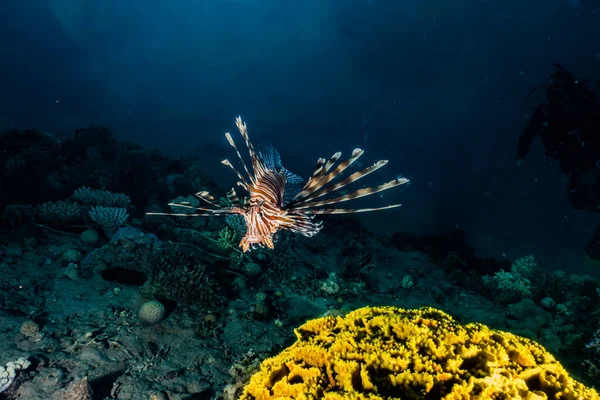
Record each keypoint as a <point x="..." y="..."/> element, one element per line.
<point x="436" y="87"/>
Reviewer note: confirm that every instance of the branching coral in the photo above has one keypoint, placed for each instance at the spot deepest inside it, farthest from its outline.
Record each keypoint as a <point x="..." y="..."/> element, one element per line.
<point x="96" y="197"/>
<point x="59" y="212"/>
<point x="181" y="277"/>
<point x="387" y="352"/>
<point x="509" y="287"/>
<point x="109" y="218"/>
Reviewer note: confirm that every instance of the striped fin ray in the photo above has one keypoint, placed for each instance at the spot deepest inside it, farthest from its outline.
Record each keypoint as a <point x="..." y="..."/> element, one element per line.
<point x="352" y="178"/>
<point x="319" y="174"/>
<point x="207" y="198"/>
<point x="217" y="211"/>
<point x="207" y="213"/>
<point x="257" y="163"/>
<point x="191" y="207"/>
<point x="242" y="181"/>
<point x="325" y="179"/>
<point x="232" y="144"/>
<point x="315" y="175"/>
<point x="320" y="170"/>
<point x="331" y="161"/>
<point x="302" y="224"/>
<point x="233" y="198"/>
<point x="325" y="166"/>
<point x="354" y="195"/>
<point x="244" y="200"/>
<point x="325" y="211"/>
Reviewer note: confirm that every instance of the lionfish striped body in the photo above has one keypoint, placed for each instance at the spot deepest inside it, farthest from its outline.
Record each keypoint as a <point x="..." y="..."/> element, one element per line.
<point x="266" y="211"/>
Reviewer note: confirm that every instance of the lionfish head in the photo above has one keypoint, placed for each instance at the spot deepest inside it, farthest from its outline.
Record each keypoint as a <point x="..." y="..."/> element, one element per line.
<point x="259" y="229"/>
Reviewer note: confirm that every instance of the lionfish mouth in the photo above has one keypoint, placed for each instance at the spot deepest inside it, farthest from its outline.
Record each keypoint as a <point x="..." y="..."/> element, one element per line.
<point x="273" y="203"/>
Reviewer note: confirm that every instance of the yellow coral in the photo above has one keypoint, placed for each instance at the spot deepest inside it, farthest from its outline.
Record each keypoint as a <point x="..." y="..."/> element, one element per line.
<point x="390" y="353"/>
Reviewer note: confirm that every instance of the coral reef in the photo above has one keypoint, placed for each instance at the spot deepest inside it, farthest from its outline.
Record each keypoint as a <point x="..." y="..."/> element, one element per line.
<point x="388" y="352"/>
<point x="70" y="297"/>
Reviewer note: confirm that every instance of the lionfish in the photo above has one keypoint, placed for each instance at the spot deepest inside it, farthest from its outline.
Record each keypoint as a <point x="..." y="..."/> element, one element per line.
<point x="269" y="208"/>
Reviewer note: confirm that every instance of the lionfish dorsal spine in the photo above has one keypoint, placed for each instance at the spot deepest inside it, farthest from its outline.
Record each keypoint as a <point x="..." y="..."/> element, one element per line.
<point x="250" y="176"/>
<point x="257" y="163"/>
<point x="242" y="181"/>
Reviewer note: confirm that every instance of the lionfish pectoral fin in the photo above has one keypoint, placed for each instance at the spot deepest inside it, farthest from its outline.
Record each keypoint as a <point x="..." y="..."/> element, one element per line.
<point x="356" y="153"/>
<point x="203" y="214"/>
<point x="218" y="211"/>
<point x="336" y="156"/>
<point x="321" y="169"/>
<point x="233" y="198"/>
<point x="354" y="195"/>
<point x="351" y="179"/>
<point x="206" y="213"/>
<point x="318" y="170"/>
<point x="327" y="211"/>
<point x="206" y="197"/>
<point x="325" y="177"/>
<point x="301" y="223"/>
